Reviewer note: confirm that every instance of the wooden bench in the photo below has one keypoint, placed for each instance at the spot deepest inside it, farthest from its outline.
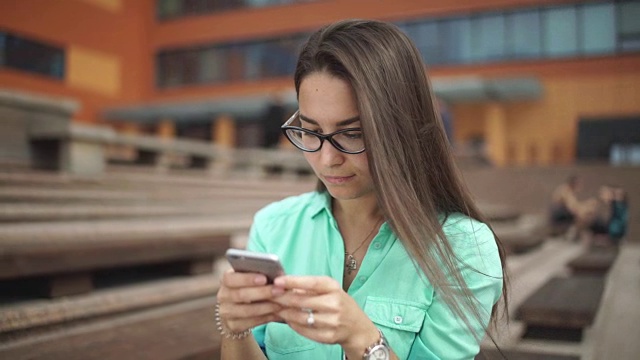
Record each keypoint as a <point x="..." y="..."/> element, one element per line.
<point x="185" y="330"/>
<point x="522" y="235"/>
<point x="595" y="261"/>
<point x="562" y="308"/>
<point x="69" y="147"/>
<point x="60" y="259"/>
<point x="499" y="212"/>
<point x="82" y="150"/>
<point x="64" y="211"/>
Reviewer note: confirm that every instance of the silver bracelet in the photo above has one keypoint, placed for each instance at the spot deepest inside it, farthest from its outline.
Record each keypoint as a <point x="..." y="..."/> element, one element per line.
<point x="228" y="334"/>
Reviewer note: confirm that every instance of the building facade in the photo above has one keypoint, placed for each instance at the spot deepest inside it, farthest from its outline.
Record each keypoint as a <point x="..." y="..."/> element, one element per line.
<point x="529" y="81"/>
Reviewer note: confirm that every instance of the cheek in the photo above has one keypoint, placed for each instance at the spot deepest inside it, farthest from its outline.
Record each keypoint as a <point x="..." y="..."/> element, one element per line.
<point x="362" y="163"/>
<point x="312" y="159"/>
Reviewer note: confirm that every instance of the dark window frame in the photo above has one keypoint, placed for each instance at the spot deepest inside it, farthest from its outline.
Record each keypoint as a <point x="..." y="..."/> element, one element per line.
<point x="30" y="55"/>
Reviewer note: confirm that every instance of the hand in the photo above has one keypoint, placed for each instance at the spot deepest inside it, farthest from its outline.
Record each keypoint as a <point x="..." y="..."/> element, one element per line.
<point x="244" y="300"/>
<point x="337" y="317"/>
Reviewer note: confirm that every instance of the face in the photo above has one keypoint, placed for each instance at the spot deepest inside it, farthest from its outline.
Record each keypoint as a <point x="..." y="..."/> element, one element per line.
<point x="328" y="104"/>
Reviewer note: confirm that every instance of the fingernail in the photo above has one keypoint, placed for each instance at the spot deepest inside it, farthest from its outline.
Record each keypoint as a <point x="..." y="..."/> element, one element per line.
<point x="260" y="280"/>
<point x="279" y="281"/>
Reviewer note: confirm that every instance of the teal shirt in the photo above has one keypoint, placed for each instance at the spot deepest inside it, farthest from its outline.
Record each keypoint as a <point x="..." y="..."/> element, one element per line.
<point x="302" y="231"/>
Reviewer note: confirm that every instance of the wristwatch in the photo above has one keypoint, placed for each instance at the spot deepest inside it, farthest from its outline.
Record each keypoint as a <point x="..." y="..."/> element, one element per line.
<point x="379" y="350"/>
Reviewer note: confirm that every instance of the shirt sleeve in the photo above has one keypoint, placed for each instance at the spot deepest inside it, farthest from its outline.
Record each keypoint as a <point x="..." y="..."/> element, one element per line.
<point x="444" y="335"/>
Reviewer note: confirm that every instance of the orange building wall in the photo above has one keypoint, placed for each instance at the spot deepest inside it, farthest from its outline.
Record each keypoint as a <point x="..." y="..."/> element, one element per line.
<point x="106" y="47"/>
<point x="544" y="132"/>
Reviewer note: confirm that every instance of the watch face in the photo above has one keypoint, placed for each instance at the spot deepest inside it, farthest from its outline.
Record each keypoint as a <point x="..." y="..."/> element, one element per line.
<point x="379" y="352"/>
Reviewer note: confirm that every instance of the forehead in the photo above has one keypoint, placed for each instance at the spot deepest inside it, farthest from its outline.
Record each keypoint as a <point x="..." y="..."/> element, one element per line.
<point x="326" y="98"/>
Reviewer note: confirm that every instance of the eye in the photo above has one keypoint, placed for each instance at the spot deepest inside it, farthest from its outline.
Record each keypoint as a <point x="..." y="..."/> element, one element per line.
<point x="352" y="135"/>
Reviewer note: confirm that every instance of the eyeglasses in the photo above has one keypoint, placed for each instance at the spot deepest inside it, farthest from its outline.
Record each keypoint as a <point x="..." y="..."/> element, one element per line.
<point x="349" y="141"/>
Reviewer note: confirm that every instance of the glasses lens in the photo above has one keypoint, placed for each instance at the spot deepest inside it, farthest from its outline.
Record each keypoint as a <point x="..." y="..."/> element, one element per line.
<point x="303" y="140"/>
<point x="351" y="141"/>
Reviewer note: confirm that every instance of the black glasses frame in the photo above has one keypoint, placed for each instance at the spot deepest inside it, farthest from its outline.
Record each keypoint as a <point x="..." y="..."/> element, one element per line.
<point x="328" y="137"/>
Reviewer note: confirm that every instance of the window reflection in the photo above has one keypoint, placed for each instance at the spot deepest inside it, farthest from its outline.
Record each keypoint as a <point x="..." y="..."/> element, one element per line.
<point x="578" y="30"/>
<point x="31" y="55"/>
<point x="173" y="9"/>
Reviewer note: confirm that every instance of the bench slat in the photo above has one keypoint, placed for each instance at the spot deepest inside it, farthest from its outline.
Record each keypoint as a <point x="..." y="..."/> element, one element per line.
<point x="568" y="303"/>
<point x="183" y="331"/>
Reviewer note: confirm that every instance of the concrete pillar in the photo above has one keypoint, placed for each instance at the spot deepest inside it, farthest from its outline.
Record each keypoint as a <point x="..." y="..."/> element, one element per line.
<point x="129" y="128"/>
<point x="166" y="129"/>
<point x="224" y="132"/>
<point x="495" y="121"/>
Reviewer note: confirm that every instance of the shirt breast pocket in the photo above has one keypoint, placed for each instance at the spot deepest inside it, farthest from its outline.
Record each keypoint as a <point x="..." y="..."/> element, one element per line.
<point x="399" y="320"/>
<point x="282" y="342"/>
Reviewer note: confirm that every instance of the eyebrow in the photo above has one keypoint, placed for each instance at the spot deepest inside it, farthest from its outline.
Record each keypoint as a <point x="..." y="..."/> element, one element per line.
<point x="341" y="123"/>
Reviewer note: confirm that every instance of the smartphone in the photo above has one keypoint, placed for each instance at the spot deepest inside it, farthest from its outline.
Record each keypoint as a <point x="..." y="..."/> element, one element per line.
<point x="253" y="262"/>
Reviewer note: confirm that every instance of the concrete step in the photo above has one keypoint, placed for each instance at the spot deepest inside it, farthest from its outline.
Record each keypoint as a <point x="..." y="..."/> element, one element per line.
<point x="185" y="330"/>
<point x="21" y="319"/>
<point x="37" y="212"/>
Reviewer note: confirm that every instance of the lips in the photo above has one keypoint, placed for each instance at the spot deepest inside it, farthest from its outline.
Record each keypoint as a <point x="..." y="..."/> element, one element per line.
<point x="338" y="180"/>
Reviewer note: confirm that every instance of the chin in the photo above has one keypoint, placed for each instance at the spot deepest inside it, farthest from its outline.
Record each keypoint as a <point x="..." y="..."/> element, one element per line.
<point x="344" y="193"/>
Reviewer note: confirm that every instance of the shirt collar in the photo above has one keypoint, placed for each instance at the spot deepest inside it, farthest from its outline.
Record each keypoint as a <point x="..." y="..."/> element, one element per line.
<point x="321" y="202"/>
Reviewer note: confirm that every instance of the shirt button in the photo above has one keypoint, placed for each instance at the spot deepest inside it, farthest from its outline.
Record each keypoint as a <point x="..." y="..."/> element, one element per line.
<point x="363" y="278"/>
<point x="397" y="319"/>
<point x="377" y="245"/>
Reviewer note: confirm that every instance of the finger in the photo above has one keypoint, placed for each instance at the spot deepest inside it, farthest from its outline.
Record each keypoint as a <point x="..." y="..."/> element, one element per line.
<point x="324" y="303"/>
<point x="244" y="324"/>
<point x="318" y="284"/>
<point x="234" y="279"/>
<point x="244" y="311"/>
<point x="300" y="317"/>
<point x="248" y="295"/>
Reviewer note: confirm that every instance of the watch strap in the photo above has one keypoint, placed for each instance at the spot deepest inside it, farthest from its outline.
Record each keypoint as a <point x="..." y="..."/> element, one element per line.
<point x="382" y="341"/>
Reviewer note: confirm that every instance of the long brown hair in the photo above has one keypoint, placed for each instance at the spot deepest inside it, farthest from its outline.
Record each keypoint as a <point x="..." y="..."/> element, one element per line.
<point x="410" y="159"/>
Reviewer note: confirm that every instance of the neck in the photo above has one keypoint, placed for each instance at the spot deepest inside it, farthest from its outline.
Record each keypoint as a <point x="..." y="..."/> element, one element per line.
<point x="357" y="211"/>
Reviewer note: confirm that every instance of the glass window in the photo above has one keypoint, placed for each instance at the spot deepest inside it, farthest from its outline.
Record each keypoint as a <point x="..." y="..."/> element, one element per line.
<point x="560" y="35"/>
<point x="32" y="56"/>
<point x="254" y="60"/>
<point x="488" y="38"/>
<point x="236" y="62"/>
<point x="629" y="26"/>
<point x="598" y="28"/>
<point x="629" y="15"/>
<point x="456" y="41"/>
<point x="169" y="8"/>
<point x="3" y="41"/>
<point x="213" y="65"/>
<point x="585" y="28"/>
<point x="523" y="35"/>
<point x="428" y="42"/>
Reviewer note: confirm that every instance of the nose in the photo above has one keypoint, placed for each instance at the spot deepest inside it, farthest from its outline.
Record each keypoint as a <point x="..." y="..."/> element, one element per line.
<point x="330" y="156"/>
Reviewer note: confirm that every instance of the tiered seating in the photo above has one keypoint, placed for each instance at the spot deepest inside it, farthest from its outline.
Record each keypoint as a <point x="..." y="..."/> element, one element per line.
<point x="557" y="312"/>
<point x="518" y="232"/>
<point x="119" y="265"/>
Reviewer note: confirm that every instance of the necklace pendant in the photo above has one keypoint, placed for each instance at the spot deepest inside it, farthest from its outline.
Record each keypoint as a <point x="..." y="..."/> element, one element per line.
<point x="350" y="263"/>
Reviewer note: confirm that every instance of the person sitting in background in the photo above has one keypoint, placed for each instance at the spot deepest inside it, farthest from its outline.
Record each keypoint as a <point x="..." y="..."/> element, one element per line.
<point x="567" y="210"/>
<point x="610" y="226"/>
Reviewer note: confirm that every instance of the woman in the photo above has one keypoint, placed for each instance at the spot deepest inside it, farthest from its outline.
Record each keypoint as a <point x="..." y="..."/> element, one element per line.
<point x="568" y="211"/>
<point x="388" y="259"/>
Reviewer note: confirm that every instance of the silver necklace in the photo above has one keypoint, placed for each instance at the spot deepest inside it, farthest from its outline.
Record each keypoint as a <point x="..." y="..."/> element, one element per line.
<point x="350" y="262"/>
